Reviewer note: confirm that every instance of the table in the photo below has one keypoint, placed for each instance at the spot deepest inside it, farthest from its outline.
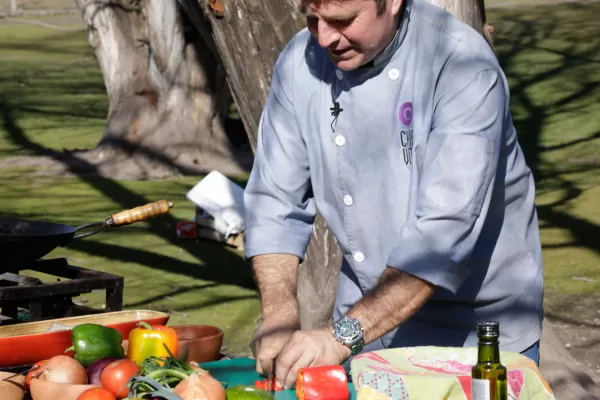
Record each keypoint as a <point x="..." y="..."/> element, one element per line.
<point x="242" y="371"/>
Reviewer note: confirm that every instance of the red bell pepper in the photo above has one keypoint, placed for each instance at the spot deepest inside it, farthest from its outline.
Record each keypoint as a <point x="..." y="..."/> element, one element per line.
<point x="327" y="382"/>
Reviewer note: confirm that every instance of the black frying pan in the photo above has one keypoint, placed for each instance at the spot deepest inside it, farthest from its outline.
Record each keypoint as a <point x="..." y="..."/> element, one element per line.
<point x="24" y="241"/>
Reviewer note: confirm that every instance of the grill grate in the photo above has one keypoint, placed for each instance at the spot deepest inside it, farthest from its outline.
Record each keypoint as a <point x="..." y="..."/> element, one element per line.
<point x="27" y="299"/>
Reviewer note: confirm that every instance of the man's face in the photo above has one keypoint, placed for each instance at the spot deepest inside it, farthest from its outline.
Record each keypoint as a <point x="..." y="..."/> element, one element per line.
<point x="350" y="30"/>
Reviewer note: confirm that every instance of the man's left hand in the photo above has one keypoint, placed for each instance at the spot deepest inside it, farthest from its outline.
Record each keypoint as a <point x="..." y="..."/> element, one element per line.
<point x="309" y="348"/>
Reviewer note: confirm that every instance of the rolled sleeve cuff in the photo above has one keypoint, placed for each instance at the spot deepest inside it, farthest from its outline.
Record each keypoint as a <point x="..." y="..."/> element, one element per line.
<point x="416" y="258"/>
<point x="269" y="240"/>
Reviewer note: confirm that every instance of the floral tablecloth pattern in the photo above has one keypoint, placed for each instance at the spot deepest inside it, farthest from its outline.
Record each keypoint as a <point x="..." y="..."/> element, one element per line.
<point x="444" y="373"/>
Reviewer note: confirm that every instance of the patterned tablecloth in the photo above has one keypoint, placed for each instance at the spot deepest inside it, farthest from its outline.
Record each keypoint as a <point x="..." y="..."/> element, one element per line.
<point x="431" y="373"/>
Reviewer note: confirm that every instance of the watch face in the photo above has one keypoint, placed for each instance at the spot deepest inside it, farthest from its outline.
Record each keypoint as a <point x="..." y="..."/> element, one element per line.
<point x="347" y="328"/>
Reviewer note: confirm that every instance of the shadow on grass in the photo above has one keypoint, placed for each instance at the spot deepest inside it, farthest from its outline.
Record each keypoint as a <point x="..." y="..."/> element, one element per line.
<point x="219" y="264"/>
<point x="551" y="56"/>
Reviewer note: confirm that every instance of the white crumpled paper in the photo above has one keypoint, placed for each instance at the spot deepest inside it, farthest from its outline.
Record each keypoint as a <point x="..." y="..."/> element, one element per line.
<point x="223" y="200"/>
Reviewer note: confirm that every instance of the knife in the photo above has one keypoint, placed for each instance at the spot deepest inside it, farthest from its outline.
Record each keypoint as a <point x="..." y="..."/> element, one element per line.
<point x="271" y="384"/>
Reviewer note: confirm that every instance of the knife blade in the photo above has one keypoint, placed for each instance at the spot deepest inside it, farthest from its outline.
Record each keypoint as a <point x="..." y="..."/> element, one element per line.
<point x="271" y="383"/>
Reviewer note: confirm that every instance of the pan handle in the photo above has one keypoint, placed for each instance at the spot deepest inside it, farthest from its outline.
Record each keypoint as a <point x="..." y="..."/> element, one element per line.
<point x="140" y="213"/>
<point x="99" y="226"/>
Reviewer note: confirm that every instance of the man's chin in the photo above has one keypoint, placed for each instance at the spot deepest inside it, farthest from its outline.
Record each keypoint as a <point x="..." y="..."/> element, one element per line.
<point x="347" y="64"/>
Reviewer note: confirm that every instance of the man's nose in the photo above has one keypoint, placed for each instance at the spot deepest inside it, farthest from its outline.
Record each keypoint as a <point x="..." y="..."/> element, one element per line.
<point x="327" y="35"/>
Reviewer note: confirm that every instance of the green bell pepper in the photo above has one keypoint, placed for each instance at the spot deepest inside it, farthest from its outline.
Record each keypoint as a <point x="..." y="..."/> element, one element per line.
<point x="92" y="342"/>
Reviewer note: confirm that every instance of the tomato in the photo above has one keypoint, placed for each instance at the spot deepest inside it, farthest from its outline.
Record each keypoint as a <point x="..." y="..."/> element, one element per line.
<point x="35" y="372"/>
<point x="116" y="374"/>
<point x="96" y="394"/>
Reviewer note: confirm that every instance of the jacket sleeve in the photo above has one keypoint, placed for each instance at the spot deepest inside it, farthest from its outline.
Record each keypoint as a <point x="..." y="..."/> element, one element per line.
<point x="279" y="209"/>
<point x="459" y="168"/>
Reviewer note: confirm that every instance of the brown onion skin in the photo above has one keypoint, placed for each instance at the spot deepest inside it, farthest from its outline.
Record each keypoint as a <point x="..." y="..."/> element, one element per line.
<point x="64" y="369"/>
<point x="200" y="386"/>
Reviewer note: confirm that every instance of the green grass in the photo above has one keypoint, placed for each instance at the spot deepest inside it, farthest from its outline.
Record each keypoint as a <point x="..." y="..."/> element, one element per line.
<point x="551" y="56"/>
<point x="52" y="86"/>
<point x="52" y="97"/>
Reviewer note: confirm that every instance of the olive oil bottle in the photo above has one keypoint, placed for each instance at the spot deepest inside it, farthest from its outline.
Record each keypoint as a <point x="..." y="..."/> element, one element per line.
<point x="488" y="375"/>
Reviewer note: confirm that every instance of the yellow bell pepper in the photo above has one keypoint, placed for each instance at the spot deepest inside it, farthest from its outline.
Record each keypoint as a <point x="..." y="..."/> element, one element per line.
<point x="149" y="341"/>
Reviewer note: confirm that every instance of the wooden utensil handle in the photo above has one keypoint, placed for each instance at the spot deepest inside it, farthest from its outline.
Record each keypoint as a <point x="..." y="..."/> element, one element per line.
<point x="140" y="213"/>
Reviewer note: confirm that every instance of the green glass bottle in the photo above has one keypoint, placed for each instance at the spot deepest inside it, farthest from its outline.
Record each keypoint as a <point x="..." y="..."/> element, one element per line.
<point x="488" y="376"/>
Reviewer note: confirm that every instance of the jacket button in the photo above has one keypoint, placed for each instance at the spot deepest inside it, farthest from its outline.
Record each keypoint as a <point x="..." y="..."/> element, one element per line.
<point x="359" y="257"/>
<point x="340" y="140"/>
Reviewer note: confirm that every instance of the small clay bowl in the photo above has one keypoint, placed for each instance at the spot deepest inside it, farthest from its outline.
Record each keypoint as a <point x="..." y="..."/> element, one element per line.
<point x="199" y="343"/>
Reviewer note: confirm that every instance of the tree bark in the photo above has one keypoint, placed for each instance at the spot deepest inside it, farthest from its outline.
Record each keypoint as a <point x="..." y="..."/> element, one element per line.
<point x="167" y="92"/>
<point x="471" y="12"/>
<point x="255" y="32"/>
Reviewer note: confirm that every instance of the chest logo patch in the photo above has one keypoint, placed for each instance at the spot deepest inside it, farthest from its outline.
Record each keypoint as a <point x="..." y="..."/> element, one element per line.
<point x="406" y="114"/>
<point x="406" y="134"/>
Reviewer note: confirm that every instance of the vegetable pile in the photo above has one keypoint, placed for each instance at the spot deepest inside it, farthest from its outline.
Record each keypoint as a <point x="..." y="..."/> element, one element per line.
<point x="100" y="369"/>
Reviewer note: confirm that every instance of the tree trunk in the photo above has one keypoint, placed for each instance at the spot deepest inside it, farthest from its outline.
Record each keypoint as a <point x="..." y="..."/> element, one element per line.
<point x="167" y="93"/>
<point x="254" y="32"/>
<point x="471" y="12"/>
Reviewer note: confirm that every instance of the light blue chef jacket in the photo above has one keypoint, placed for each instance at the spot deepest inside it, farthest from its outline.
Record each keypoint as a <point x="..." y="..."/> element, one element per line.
<point x="421" y="171"/>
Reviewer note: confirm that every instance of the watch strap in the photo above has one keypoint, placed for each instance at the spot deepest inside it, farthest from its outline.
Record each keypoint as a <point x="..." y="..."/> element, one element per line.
<point x="357" y="347"/>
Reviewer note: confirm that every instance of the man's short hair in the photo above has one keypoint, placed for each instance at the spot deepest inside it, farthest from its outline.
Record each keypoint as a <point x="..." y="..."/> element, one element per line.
<point x="381" y="4"/>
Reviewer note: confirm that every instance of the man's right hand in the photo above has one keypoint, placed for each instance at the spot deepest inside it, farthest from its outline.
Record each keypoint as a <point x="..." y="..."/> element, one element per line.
<point x="276" y="275"/>
<point x="269" y="338"/>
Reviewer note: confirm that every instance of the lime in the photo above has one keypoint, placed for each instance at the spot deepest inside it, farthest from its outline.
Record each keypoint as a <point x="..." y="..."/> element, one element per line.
<point x="247" y="392"/>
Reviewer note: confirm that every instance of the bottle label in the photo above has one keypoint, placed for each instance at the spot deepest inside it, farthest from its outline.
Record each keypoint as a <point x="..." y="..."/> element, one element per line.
<point x="480" y="389"/>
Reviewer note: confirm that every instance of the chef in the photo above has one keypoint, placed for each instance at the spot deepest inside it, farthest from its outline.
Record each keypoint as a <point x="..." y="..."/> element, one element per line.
<point x="391" y="117"/>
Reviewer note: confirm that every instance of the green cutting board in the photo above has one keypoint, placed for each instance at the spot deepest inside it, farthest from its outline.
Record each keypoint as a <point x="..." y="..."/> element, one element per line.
<point x="242" y="371"/>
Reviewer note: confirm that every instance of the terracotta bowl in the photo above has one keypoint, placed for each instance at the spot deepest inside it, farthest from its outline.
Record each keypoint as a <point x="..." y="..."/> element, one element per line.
<point x="199" y="343"/>
<point x="30" y="342"/>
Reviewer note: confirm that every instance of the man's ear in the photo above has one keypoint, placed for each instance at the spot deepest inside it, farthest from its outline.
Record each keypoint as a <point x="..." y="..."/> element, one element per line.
<point x="395" y="6"/>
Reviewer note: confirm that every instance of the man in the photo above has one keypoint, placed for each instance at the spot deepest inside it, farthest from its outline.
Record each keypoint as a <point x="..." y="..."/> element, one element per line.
<point x="392" y="118"/>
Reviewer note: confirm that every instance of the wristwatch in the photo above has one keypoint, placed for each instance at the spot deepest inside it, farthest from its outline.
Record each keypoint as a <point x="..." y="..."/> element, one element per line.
<point x="349" y="332"/>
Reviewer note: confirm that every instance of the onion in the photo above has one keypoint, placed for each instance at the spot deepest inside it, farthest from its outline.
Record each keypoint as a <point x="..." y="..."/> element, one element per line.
<point x="95" y="369"/>
<point x="64" y="369"/>
<point x="200" y="386"/>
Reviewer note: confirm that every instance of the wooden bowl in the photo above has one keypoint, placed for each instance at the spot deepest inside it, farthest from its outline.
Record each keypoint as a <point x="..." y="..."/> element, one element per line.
<point x="199" y="343"/>
<point x="13" y="388"/>
<point x="28" y="343"/>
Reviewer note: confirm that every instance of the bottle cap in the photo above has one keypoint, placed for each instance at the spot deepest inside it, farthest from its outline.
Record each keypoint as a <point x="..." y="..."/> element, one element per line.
<point x="489" y="329"/>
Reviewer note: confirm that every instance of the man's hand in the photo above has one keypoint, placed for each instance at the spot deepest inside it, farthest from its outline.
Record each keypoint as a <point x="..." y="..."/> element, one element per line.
<point x="270" y="337"/>
<point x="276" y="276"/>
<point x="310" y="348"/>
